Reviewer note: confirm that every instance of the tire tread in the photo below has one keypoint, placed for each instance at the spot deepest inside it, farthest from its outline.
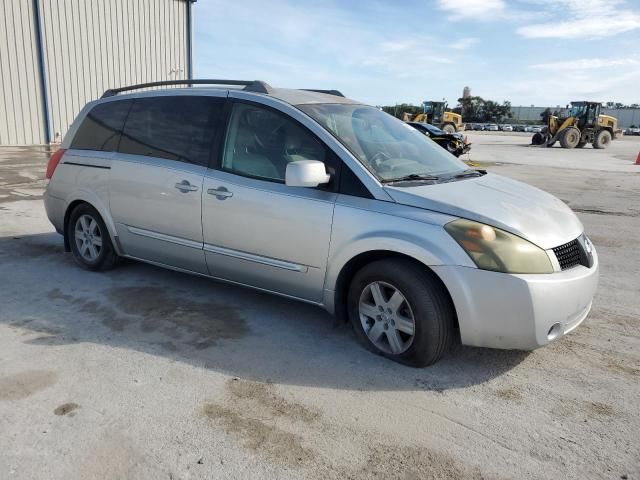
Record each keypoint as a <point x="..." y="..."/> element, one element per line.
<point x="436" y="302"/>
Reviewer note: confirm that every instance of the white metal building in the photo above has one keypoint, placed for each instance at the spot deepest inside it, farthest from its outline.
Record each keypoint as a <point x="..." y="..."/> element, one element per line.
<point x="56" y="55"/>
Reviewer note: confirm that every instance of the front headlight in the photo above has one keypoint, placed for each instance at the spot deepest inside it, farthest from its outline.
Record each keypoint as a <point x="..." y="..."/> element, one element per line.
<point x="493" y="249"/>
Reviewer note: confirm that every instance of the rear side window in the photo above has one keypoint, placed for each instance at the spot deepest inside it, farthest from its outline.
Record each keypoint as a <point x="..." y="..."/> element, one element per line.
<point x="177" y="128"/>
<point x="100" y="130"/>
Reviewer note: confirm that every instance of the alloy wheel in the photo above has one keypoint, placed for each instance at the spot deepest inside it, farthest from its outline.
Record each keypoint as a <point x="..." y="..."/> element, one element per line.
<point x="88" y="238"/>
<point x="386" y="317"/>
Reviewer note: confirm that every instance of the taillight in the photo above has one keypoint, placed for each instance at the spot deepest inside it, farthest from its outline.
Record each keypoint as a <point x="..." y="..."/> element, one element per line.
<point x="53" y="162"/>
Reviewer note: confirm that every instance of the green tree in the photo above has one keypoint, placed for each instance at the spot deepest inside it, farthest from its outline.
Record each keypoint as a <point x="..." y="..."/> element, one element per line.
<point x="398" y="109"/>
<point x="477" y="109"/>
<point x="495" y="112"/>
<point x="471" y="108"/>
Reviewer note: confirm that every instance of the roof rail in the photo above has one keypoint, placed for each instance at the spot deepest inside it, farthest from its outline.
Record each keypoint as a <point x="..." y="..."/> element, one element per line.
<point x="257" y="86"/>
<point x="335" y="93"/>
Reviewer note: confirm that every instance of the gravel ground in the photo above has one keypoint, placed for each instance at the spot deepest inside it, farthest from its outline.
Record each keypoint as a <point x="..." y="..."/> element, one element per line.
<point x="147" y="373"/>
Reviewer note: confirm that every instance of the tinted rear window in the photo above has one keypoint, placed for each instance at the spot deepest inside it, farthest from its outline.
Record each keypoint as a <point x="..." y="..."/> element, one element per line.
<point x="176" y="128"/>
<point x="101" y="128"/>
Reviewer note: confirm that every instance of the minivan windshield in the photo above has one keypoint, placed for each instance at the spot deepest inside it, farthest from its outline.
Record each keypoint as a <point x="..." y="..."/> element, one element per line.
<point x="388" y="147"/>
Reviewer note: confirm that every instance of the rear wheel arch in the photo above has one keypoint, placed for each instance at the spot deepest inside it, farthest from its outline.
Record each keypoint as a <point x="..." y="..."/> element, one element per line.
<point x="89" y="238"/>
<point x="67" y="215"/>
<point x="65" y="225"/>
<point x="355" y="264"/>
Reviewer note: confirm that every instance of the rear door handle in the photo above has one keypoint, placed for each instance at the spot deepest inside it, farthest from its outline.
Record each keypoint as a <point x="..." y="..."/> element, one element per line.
<point x="184" y="186"/>
<point x="221" y="193"/>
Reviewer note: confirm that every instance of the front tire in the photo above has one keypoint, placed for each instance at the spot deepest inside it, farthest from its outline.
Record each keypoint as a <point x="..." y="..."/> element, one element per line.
<point x="89" y="239"/>
<point x="570" y="137"/>
<point x="449" y="128"/>
<point x="602" y="140"/>
<point x="400" y="310"/>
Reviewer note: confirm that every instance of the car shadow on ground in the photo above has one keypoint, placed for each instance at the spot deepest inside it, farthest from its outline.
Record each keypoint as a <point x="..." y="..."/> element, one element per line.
<point x="186" y="318"/>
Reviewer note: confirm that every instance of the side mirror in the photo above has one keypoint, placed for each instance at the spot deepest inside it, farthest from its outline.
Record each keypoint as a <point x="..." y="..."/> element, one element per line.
<point x="306" y="173"/>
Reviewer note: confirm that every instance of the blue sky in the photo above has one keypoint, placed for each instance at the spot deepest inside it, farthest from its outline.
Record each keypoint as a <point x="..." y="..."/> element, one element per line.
<point x="542" y="52"/>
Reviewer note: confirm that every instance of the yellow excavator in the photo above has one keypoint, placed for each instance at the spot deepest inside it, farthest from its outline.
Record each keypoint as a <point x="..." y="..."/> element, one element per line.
<point x="436" y="114"/>
<point x="583" y="124"/>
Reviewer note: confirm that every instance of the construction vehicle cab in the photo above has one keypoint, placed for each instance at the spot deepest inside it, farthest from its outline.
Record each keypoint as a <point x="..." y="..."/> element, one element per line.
<point x="583" y="124"/>
<point x="436" y="114"/>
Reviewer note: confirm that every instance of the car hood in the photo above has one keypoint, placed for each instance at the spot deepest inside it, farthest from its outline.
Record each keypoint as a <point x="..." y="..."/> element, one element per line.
<point x="501" y="202"/>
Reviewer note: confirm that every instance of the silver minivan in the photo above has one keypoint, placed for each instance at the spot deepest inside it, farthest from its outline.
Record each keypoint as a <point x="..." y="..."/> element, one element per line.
<point x="316" y="197"/>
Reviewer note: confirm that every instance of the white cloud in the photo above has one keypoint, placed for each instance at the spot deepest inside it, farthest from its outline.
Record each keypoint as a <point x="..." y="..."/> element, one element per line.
<point x="397" y="45"/>
<point x="464" y="43"/>
<point x="400" y="57"/>
<point x="587" y="64"/>
<point x="323" y="45"/>
<point x="472" y="9"/>
<point x="598" y="79"/>
<point x="583" y="19"/>
<point x="369" y="55"/>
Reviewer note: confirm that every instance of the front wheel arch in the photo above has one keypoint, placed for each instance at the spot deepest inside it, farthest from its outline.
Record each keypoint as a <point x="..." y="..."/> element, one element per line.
<point x="355" y="264"/>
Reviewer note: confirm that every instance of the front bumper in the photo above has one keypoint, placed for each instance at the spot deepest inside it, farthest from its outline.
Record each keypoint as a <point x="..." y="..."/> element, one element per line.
<point x="500" y="310"/>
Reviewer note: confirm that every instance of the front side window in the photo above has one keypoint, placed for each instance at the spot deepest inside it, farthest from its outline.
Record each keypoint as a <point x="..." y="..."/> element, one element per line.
<point x="386" y="146"/>
<point x="100" y="129"/>
<point x="261" y="143"/>
<point x="178" y="128"/>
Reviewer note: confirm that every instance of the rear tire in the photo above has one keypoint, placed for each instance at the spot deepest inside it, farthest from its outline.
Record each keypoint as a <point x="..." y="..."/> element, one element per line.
<point x="581" y="144"/>
<point x="449" y="128"/>
<point x="89" y="239"/>
<point x="602" y="140"/>
<point x="570" y="137"/>
<point x="400" y="310"/>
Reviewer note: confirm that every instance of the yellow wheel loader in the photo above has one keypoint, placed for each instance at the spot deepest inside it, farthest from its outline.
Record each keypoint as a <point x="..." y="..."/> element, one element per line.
<point x="584" y="124"/>
<point x="436" y="114"/>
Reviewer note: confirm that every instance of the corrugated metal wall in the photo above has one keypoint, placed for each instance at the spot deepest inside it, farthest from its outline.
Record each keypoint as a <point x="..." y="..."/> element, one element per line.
<point x="91" y="46"/>
<point x="626" y="117"/>
<point x="88" y="47"/>
<point x="21" y="108"/>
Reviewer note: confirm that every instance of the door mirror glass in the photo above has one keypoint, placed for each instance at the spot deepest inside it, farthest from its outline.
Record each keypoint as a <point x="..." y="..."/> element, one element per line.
<point x="306" y="173"/>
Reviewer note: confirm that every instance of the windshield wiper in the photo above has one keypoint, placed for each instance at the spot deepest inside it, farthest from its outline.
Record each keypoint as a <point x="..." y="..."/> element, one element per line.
<point x="470" y="173"/>
<point x="411" y="177"/>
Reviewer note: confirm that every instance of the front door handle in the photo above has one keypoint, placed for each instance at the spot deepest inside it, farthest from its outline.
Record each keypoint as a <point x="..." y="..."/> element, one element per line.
<point x="184" y="186"/>
<point x="221" y="193"/>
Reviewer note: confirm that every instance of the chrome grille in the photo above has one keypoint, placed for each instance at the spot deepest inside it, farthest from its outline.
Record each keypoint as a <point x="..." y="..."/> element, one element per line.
<point x="568" y="255"/>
